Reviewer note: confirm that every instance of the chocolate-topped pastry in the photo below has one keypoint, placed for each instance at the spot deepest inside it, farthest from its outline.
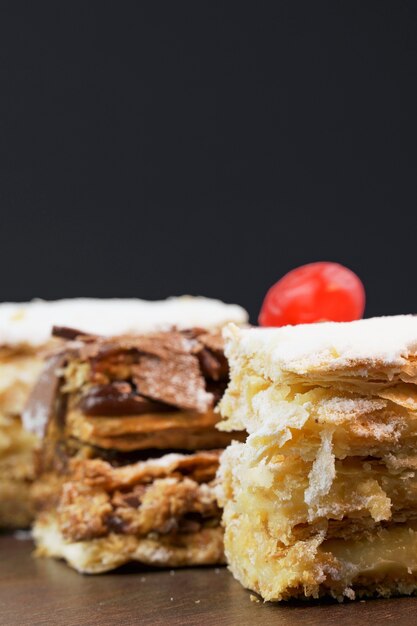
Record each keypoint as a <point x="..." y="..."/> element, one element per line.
<point x="25" y="339"/>
<point x="133" y="392"/>
<point x="130" y="449"/>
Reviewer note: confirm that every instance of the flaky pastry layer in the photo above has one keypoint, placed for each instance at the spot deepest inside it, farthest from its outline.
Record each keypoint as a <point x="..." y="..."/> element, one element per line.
<point x="167" y="502"/>
<point x="101" y="555"/>
<point x="181" y="430"/>
<point x="320" y="557"/>
<point x="379" y="350"/>
<point x="321" y="499"/>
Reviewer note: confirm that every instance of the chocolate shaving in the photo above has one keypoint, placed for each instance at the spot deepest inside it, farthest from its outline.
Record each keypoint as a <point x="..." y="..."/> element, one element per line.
<point x="177" y="381"/>
<point x="166" y="367"/>
<point x="64" y="332"/>
<point x="213" y="341"/>
<point x="212" y="365"/>
<point x="41" y="404"/>
<point x="117" y="398"/>
<point x="162" y="345"/>
<point x="128" y="375"/>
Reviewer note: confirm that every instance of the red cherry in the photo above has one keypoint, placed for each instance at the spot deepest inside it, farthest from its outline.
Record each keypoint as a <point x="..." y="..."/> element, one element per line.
<point x="315" y="292"/>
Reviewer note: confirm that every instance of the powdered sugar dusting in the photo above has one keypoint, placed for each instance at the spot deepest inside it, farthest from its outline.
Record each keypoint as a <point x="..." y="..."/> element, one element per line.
<point x="31" y="323"/>
<point x="330" y="345"/>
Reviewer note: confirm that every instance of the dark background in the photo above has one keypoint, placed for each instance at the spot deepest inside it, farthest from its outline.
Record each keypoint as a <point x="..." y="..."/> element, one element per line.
<point x="158" y="148"/>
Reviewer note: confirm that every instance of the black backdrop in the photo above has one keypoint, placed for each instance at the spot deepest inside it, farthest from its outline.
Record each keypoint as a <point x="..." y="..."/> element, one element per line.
<point x="150" y="148"/>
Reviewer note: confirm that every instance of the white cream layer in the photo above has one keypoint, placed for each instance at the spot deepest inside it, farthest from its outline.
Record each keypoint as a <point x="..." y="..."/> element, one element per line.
<point x="31" y="323"/>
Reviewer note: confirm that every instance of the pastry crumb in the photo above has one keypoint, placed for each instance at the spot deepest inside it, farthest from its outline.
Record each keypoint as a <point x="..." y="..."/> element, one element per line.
<point x="254" y="598"/>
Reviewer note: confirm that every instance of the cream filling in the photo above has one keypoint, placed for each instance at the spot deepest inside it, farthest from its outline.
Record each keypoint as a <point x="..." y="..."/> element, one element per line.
<point x="385" y="562"/>
<point x="392" y="550"/>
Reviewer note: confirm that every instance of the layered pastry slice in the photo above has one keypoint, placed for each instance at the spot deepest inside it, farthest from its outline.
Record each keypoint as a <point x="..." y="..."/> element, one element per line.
<point x="25" y="339"/>
<point x="130" y="450"/>
<point x="20" y="365"/>
<point x="321" y="499"/>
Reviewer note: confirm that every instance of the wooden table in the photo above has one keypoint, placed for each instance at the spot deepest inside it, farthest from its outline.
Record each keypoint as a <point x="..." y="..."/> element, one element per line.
<point x="41" y="591"/>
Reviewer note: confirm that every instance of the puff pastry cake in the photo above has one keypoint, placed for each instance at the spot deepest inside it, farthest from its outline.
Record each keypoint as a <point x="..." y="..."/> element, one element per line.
<point x="130" y="450"/>
<point x="321" y="499"/>
<point x="25" y="340"/>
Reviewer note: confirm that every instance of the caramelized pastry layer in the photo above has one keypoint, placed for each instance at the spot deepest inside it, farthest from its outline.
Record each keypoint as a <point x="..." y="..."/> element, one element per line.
<point x="118" y="470"/>
<point x="161" y="511"/>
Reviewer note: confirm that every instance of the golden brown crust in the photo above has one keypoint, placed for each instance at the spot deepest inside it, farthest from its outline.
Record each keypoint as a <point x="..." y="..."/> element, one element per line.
<point x="182" y="430"/>
<point x="167" y="505"/>
<point x="201" y="466"/>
